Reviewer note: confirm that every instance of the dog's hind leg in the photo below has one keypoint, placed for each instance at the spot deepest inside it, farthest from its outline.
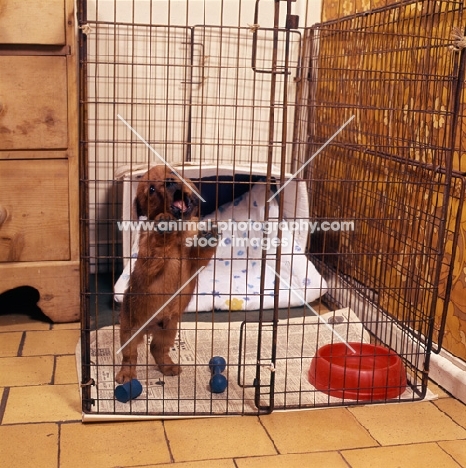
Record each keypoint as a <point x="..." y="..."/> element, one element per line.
<point x="164" y="334"/>
<point x="130" y="349"/>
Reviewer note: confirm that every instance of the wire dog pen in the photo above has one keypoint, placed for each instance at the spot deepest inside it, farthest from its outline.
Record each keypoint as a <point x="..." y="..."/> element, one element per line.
<point x="324" y="156"/>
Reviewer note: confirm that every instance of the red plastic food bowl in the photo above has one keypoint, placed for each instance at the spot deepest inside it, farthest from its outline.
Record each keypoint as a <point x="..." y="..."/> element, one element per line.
<point x="369" y="373"/>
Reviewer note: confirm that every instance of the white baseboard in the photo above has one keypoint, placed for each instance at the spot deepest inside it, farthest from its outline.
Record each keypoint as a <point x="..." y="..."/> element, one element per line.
<point x="449" y="372"/>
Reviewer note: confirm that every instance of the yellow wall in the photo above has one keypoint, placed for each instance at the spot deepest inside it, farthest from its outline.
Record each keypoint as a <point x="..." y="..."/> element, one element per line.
<point x="333" y="9"/>
<point x="431" y="130"/>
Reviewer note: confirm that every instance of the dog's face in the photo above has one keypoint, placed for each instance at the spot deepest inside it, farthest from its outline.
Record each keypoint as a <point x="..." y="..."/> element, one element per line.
<point x="160" y="190"/>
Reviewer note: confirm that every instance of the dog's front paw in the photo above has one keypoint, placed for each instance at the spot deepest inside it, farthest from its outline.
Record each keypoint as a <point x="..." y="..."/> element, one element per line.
<point x="212" y="233"/>
<point x="165" y="223"/>
<point x="126" y="374"/>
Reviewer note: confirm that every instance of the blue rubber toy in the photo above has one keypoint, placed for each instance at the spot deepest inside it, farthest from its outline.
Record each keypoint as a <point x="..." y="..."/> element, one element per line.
<point x="128" y="391"/>
<point x="218" y="382"/>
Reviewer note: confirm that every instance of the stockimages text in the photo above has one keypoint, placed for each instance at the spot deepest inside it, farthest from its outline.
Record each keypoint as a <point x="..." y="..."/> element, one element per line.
<point x="248" y="233"/>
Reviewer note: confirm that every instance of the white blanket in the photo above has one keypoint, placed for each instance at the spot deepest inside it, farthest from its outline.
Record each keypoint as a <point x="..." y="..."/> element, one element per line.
<point x="232" y="280"/>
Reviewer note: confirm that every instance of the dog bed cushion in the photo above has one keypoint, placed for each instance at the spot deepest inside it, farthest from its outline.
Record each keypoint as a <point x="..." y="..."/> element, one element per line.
<point x="232" y="279"/>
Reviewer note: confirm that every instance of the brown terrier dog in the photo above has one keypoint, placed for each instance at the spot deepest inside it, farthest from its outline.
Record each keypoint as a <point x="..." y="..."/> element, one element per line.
<point x="165" y="262"/>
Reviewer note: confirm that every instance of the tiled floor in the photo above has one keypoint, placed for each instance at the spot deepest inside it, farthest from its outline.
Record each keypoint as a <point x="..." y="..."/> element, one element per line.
<point x="41" y="427"/>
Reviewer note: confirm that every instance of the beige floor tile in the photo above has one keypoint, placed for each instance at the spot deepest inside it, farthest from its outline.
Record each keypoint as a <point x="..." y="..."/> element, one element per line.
<point x="302" y="460"/>
<point x="9" y="343"/>
<point x="407" y="423"/>
<point x="437" y="390"/>
<point x="456" y="448"/>
<point x="65" y="370"/>
<point x="29" y="445"/>
<point x="43" y="404"/>
<point x="21" y="371"/>
<point x="113" y="444"/>
<point x="317" y="430"/>
<point x="412" y="456"/>
<point x="224" y="463"/>
<point x="454" y="408"/>
<point x="50" y="342"/>
<point x="66" y="326"/>
<point x="201" y="439"/>
<point x="18" y="322"/>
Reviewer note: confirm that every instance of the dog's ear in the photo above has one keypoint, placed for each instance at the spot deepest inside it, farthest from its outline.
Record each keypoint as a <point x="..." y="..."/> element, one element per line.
<point x="137" y="209"/>
<point x="141" y="201"/>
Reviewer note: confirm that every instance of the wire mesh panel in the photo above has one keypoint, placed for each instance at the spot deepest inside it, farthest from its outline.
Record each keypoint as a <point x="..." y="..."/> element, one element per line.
<point x="234" y="90"/>
<point x="263" y="206"/>
<point x="212" y="102"/>
<point x="391" y="175"/>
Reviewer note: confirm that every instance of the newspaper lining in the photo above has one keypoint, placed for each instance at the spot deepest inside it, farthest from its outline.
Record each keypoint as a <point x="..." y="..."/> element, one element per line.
<point x="189" y="393"/>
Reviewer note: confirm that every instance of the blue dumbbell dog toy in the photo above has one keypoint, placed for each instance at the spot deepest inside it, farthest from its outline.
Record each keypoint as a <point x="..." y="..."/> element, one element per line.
<point x="218" y="382"/>
<point x="128" y="391"/>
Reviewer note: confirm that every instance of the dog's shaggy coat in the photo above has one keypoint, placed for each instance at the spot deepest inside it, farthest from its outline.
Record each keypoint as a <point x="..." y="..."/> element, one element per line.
<point x="166" y="260"/>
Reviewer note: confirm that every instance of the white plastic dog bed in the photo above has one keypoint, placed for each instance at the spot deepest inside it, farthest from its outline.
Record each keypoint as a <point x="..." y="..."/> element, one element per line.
<point x="232" y="280"/>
